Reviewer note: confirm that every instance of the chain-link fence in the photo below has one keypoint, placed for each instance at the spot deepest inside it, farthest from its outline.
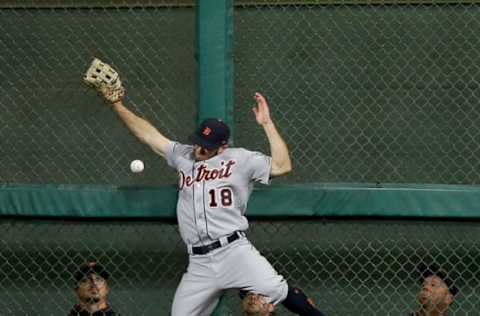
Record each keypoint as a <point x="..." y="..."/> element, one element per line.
<point x="361" y="92"/>
<point x="364" y="92"/>
<point x="347" y="267"/>
<point x="56" y="130"/>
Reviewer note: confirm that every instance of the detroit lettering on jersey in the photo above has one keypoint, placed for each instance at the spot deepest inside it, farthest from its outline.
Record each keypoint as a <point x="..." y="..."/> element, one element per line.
<point x="213" y="193"/>
<point x="205" y="174"/>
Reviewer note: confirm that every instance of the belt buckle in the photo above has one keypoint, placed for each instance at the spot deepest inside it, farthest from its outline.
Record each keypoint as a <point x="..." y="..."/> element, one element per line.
<point x="223" y="241"/>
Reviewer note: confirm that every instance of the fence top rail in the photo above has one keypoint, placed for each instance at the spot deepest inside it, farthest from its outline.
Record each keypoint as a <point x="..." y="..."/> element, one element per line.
<point x="51" y="4"/>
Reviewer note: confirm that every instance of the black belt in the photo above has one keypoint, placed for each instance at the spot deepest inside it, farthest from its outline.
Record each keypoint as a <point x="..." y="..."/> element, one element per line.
<point x="202" y="250"/>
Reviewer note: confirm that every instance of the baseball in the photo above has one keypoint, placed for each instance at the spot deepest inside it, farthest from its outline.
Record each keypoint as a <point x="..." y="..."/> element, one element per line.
<point x="136" y="166"/>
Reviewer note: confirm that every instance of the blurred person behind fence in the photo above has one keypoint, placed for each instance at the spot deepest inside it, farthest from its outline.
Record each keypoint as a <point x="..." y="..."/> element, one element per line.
<point x="256" y="305"/>
<point x="437" y="292"/>
<point x="92" y="292"/>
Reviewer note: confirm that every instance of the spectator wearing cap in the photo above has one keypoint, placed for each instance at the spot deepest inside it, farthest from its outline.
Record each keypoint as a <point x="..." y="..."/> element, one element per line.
<point x="437" y="293"/>
<point x="92" y="292"/>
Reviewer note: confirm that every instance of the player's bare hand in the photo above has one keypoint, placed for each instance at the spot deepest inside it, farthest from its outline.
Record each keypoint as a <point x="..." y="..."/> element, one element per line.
<point x="262" y="112"/>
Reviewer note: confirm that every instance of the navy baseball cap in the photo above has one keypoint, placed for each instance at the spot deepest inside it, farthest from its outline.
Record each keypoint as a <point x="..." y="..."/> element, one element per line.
<point x="211" y="134"/>
<point x="427" y="271"/>
<point x="89" y="268"/>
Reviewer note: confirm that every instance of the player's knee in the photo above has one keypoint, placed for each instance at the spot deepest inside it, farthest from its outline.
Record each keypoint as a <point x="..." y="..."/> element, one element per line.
<point x="275" y="292"/>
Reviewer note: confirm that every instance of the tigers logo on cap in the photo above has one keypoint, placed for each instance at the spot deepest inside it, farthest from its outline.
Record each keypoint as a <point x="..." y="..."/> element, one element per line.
<point x="211" y="134"/>
<point x="206" y="131"/>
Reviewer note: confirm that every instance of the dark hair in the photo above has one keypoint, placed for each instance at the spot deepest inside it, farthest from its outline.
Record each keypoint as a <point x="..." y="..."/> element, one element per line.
<point x="89" y="268"/>
<point x="429" y="270"/>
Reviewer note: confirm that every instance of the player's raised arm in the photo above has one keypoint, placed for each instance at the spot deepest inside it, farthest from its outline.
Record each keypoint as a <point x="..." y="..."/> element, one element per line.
<point x="141" y="128"/>
<point x="281" y="163"/>
<point x="106" y="81"/>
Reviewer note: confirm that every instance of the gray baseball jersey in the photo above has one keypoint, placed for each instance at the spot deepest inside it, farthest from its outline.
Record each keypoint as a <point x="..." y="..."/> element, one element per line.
<point x="213" y="193"/>
<point x="212" y="200"/>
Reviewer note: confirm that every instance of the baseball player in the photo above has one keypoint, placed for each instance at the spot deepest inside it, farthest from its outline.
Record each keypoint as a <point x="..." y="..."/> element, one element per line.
<point x="215" y="182"/>
<point x="214" y="186"/>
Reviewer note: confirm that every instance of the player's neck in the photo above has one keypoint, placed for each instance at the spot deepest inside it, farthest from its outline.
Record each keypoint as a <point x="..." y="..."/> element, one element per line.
<point x="424" y="312"/>
<point x="214" y="154"/>
<point x="94" y="307"/>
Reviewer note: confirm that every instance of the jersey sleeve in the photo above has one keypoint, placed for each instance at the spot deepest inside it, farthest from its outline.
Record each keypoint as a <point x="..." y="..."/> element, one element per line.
<point x="174" y="151"/>
<point x="260" y="167"/>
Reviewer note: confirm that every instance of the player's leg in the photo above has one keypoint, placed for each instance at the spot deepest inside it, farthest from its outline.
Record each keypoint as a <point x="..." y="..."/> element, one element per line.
<point x="197" y="294"/>
<point x="297" y="302"/>
<point x="254" y="273"/>
<point x="247" y="269"/>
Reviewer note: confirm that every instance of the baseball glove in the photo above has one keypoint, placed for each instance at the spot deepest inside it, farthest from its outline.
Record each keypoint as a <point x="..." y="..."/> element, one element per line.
<point x="105" y="80"/>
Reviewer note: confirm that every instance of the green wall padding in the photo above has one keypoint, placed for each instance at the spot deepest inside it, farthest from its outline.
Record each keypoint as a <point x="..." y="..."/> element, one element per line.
<point x="276" y="201"/>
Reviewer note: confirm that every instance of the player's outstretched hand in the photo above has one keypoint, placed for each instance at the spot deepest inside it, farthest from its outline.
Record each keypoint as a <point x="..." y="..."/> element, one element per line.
<point x="262" y="112"/>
